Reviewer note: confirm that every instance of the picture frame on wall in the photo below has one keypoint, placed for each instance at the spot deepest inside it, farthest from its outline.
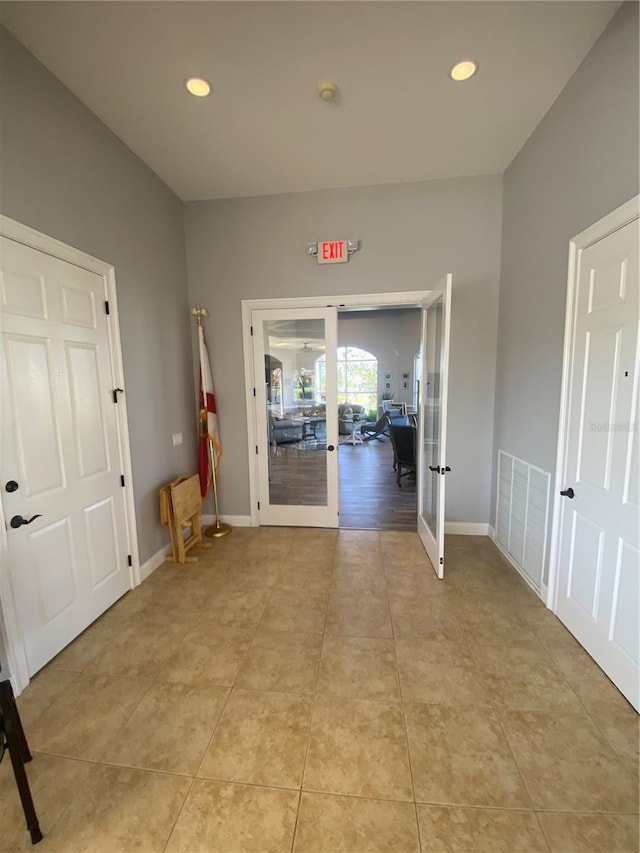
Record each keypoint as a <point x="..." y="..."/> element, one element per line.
<point x="388" y="377"/>
<point x="405" y="385"/>
<point x="387" y="386"/>
<point x="405" y="376"/>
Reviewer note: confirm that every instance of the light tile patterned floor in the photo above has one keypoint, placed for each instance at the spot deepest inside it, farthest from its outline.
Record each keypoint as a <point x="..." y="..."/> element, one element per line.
<point x="320" y="691"/>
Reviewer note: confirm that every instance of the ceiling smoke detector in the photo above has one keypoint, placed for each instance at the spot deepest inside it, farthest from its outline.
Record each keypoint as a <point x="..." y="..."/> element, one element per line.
<point x="327" y="90"/>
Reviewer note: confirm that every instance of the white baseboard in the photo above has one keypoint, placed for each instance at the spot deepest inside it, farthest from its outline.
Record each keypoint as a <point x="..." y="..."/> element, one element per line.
<point x="233" y="520"/>
<point x="492" y="533"/>
<point x="466" y="528"/>
<point x="149" y="566"/>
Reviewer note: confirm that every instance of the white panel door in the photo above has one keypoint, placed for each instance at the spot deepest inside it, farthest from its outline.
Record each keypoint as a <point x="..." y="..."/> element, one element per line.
<point x="60" y="468"/>
<point x="432" y="436"/>
<point x="295" y="358"/>
<point x="598" y="595"/>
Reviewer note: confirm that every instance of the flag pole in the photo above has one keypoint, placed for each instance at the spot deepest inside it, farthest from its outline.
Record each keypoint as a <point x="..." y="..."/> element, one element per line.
<point x="218" y="528"/>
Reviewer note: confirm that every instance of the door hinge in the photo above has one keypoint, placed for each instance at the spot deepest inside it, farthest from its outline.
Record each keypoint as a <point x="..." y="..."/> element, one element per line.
<point x="251" y="327"/>
<point x="122" y="480"/>
<point x="256" y="449"/>
<point x="254" y="392"/>
<point x="129" y="560"/>
<point x="258" y="504"/>
<point x="107" y="310"/>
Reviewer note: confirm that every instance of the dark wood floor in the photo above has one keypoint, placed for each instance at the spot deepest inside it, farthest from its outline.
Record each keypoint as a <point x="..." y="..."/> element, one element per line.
<point x="368" y="494"/>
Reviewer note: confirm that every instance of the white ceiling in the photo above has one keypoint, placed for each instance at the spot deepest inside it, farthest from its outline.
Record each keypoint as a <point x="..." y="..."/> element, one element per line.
<point x="398" y="116"/>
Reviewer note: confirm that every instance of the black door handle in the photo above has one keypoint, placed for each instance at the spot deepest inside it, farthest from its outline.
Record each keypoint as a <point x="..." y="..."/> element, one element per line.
<point x="11" y="486"/>
<point x="568" y="493"/>
<point x="434" y="468"/>
<point x="330" y="447"/>
<point x="18" y="520"/>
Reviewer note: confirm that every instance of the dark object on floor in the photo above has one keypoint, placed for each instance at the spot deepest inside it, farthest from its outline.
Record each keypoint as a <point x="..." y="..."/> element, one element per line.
<point x="13" y="741"/>
<point x="403" y="439"/>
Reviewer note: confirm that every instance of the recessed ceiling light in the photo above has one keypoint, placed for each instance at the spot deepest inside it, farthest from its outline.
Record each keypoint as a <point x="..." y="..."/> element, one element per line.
<point x="198" y="87"/>
<point x="463" y="70"/>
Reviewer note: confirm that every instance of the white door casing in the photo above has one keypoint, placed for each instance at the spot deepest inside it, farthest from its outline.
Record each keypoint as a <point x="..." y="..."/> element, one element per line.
<point x="595" y="570"/>
<point x="431" y="465"/>
<point x="65" y="445"/>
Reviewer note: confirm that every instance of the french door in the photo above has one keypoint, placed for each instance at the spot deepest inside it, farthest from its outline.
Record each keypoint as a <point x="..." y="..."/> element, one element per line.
<point x="296" y="409"/>
<point x="432" y="421"/>
<point x="60" y="464"/>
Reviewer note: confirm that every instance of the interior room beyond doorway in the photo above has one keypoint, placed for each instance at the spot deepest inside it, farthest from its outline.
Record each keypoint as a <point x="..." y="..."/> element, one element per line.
<point x="378" y="363"/>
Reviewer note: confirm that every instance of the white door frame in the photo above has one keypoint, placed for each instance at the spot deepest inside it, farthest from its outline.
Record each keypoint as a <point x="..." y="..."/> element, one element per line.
<point x="401" y="299"/>
<point x="618" y="218"/>
<point x="12" y="635"/>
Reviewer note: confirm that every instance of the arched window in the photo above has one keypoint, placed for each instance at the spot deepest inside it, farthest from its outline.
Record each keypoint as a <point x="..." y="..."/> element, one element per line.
<point x="357" y="376"/>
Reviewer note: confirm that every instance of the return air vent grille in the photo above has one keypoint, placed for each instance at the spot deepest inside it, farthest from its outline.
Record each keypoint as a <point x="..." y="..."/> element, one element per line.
<point x="522" y="515"/>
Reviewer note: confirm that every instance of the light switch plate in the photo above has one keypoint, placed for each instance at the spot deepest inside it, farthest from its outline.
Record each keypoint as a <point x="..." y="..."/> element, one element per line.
<point x="177" y="438"/>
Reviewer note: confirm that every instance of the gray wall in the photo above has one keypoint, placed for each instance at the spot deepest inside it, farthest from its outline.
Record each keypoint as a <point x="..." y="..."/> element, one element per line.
<point x="579" y="164"/>
<point x="392" y="336"/>
<point x="411" y="235"/>
<point x="64" y="173"/>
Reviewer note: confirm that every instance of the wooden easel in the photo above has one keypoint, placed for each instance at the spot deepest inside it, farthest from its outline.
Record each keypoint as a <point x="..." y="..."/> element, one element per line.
<point x="180" y="507"/>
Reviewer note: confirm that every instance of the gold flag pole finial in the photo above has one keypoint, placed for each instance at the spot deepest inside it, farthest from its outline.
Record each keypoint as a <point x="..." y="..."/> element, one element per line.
<point x="199" y="312"/>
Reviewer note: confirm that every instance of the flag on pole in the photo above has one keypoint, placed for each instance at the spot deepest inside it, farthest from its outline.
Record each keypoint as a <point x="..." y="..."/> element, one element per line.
<point x="209" y="438"/>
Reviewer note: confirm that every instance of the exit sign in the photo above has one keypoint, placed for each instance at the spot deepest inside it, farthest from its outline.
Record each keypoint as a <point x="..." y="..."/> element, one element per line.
<point x="333" y="252"/>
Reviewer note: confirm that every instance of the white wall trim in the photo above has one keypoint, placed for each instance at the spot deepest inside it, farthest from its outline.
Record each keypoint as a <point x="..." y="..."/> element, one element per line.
<point x="149" y="566"/>
<point x="466" y="528"/>
<point x="16" y="231"/>
<point x="618" y="218"/>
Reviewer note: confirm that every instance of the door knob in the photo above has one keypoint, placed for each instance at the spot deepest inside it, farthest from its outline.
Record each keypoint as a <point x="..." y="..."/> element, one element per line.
<point x="330" y="447"/>
<point x="11" y="486"/>
<point x="568" y="493"/>
<point x="18" y="520"/>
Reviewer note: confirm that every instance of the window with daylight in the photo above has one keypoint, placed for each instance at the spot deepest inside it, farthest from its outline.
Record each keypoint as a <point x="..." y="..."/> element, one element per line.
<point x="357" y="376"/>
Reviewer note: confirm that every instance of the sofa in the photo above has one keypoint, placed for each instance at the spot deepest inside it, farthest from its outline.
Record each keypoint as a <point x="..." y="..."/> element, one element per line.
<point x="349" y="416"/>
<point x="286" y="430"/>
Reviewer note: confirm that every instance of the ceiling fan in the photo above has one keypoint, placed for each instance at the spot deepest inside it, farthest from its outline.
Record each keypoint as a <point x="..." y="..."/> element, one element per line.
<point x="307" y="348"/>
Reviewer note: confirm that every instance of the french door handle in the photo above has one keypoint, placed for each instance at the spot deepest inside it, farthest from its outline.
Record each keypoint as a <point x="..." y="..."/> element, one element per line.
<point x="568" y="493"/>
<point x="18" y="520"/>
<point x="434" y="468"/>
<point x="330" y="447"/>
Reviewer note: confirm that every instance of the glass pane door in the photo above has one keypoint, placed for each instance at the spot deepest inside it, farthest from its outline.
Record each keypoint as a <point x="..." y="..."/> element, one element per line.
<point x="432" y="463"/>
<point x="297" y="415"/>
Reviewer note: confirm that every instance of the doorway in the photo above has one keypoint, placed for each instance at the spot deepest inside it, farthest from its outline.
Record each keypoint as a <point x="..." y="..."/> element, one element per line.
<point x="67" y="500"/>
<point x="261" y="319"/>
<point x="376" y="366"/>
<point x="594" y="582"/>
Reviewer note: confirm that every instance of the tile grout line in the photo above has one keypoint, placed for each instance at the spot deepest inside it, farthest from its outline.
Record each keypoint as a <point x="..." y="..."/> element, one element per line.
<point x="504" y="734"/>
<point x="402" y="707"/>
<point x="313" y="707"/>
<point x="224" y="707"/>
<point x="215" y="727"/>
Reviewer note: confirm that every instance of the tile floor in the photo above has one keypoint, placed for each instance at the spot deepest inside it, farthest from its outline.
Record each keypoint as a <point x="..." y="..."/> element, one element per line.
<point x="312" y="690"/>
